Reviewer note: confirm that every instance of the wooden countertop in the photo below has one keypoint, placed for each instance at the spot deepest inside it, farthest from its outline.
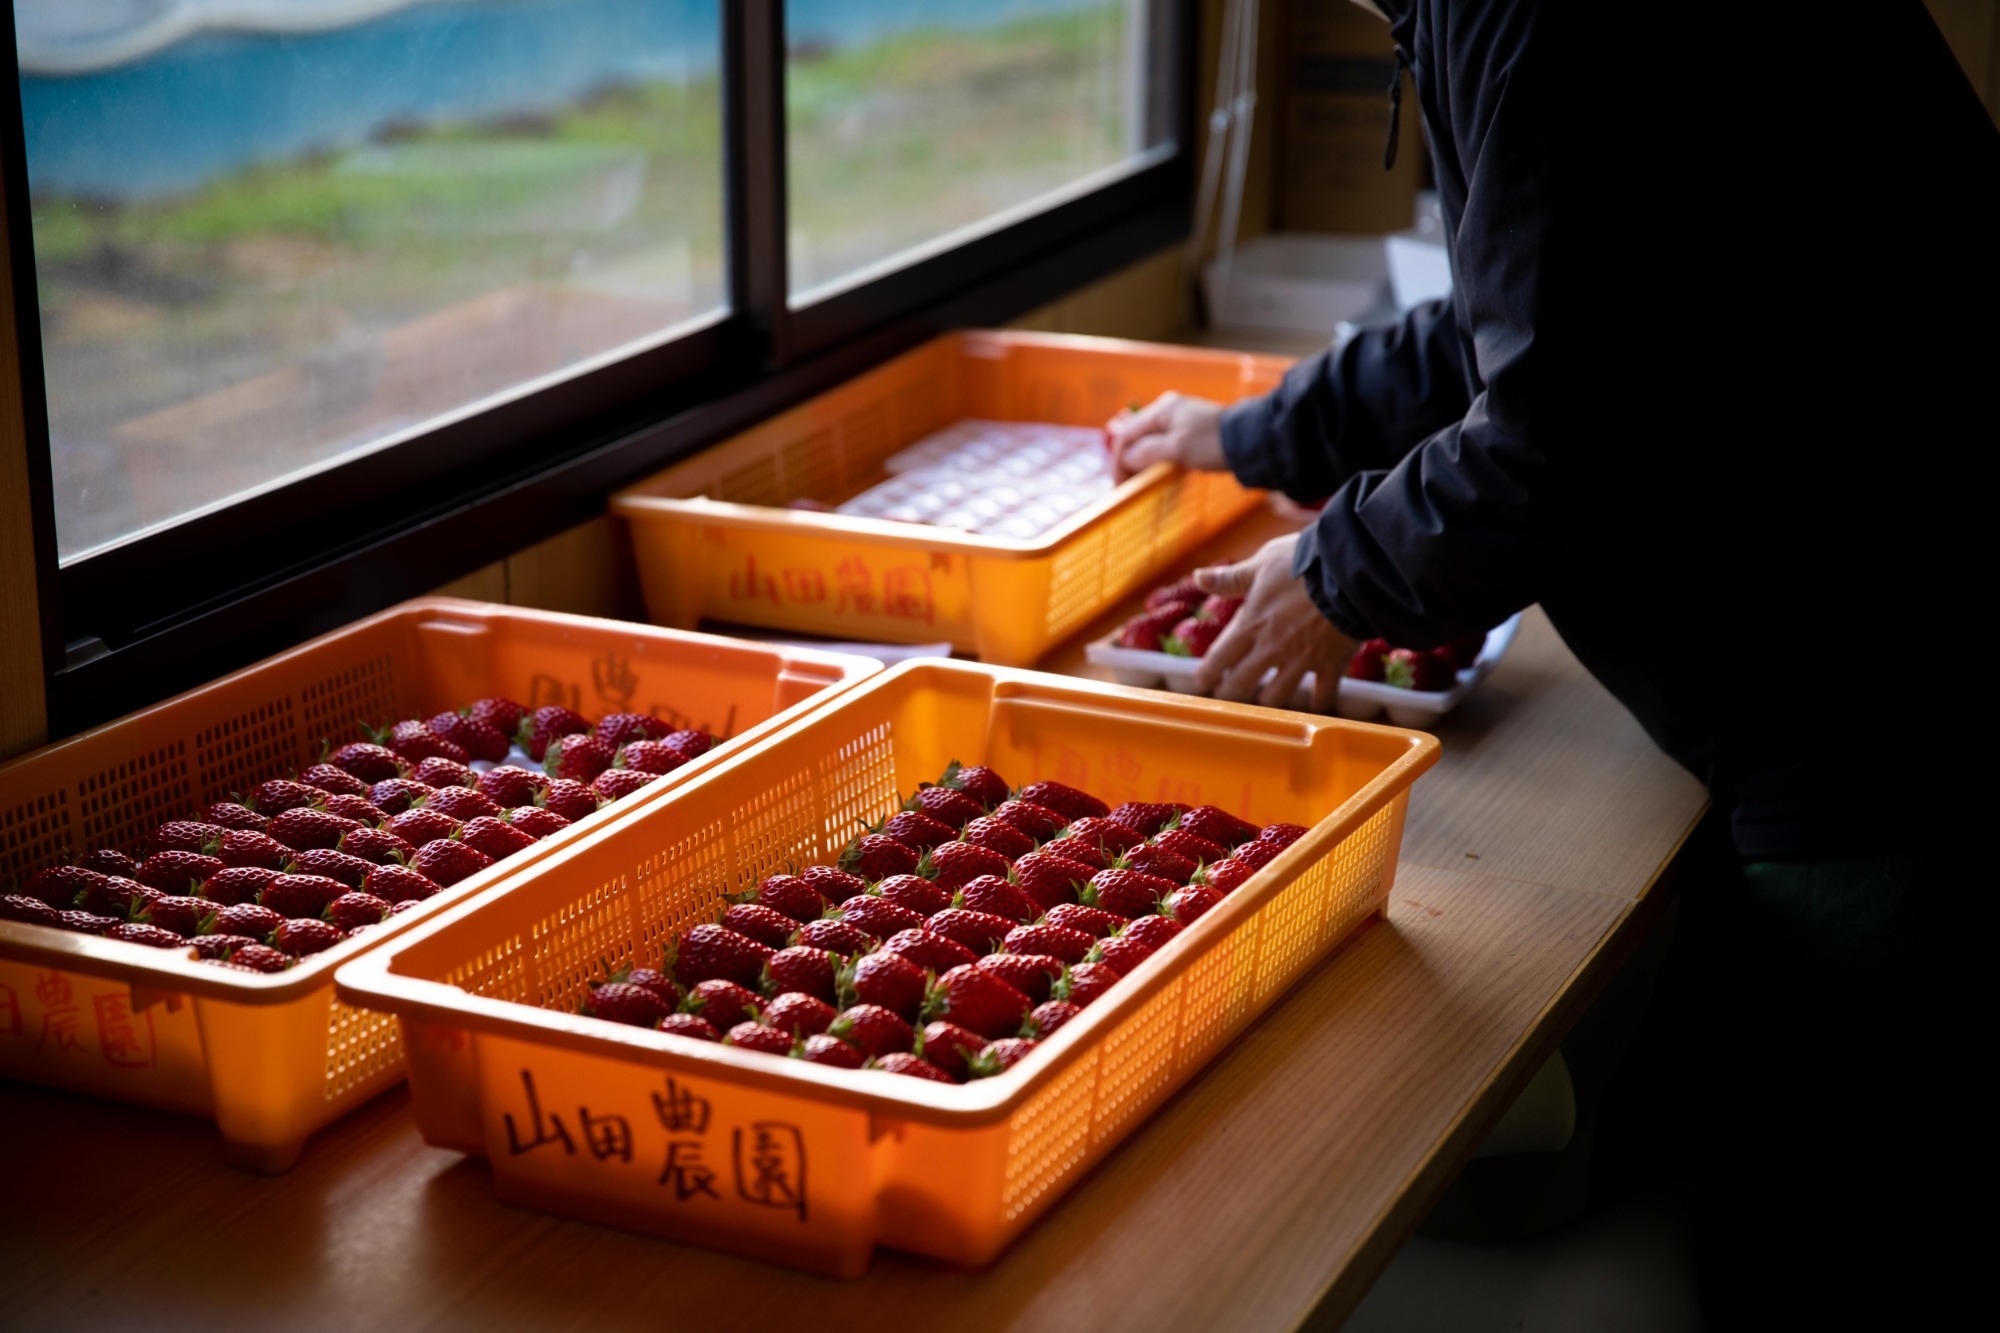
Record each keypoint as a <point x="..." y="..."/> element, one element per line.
<point x="1267" y="1194"/>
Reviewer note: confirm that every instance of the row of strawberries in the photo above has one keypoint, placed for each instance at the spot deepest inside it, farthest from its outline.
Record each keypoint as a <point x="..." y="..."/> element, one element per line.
<point x="300" y="864"/>
<point x="953" y="937"/>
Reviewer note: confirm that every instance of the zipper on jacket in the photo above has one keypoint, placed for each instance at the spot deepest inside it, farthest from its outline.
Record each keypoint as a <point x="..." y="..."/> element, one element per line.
<point x="1395" y="110"/>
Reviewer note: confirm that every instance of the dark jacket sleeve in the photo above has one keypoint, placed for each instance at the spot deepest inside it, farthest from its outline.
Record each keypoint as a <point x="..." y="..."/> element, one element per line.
<point x="1353" y="408"/>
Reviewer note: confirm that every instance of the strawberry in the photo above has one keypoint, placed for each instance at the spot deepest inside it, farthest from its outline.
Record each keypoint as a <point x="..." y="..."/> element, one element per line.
<point x="1065" y="801"/>
<point x="60" y="886"/>
<point x="799" y="1014"/>
<point x="948" y="1046"/>
<point x="757" y="1037"/>
<point x="121" y="898"/>
<point x="436" y="772"/>
<point x="1079" y="851"/>
<point x="393" y="796"/>
<point x="1047" y="1019"/>
<point x="915" y="830"/>
<point x="1030" y="974"/>
<point x="1156" y="860"/>
<point x="351" y="911"/>
<point x="177" y="872"/>
<point x="252" y="919"/>
<point x="982" y="784"/>
<point x="830" y="884"/>
<point x="995" y="836"/>
<point x="1000" y="1056"/>
<point x="1148" y="817"/>
<point x="282" y="794"/>
<point x="623" y="1002"/>
<point x="1410" y="669"/>
<point x="1218" y="826"/>
<point x="616" y="729"/>
<point x="913" y="892"/>
<point x="370" y="762"/>
<point x="580" y="757"/>
<point x="508" y="786"/>
<point x="446" y="861"/>
<point x="977" y="1001"/>
<point x="300" y="895"/>
<point x="462" y="803"/>
<point x="1281" y="836"/>
<point x="886" y="979"/>
<point x="494" y="837"/>
<point x="349" y="870"/>
<point x="706" y="952"/>
<point x="897" y="1062"/>
<point x="1148" y="630"/>
<point x="1257" y="854"/>
<point x="792" y="896"/>
<point x="653" y="980"/>
<point x="977" y="931"/>
<point x="1187" y="590"/>
<point x="872" y="1030"/>
<point x="1220" y="609"/>
<point x="1192" y="637"/>
<point x="822" y="1049"/>
<point x="218" y="948"/>
<point x="760" y="924"/>
<point x="109" y="861"/>
<point x="1092" y="921"/>
<point x="876" y="856"/>
<point x="1191" y="847"/>
<point x="1224" y="876"/>
<point x="947" y="805"/>
<point x="259" y="958"/>
<point x="615" y="784"/>
<point x="238" y="884"/>
<point x="422" y="825"/>
<point x="32" y="911"/>
<point x="1188" y="905"/>
<point x="1121" y="952"/>
<point x="689" y="1025"/>
<point x="87" y="923"/>
<point x="834" y="935"/>
<point x="876" y="915"/>
<point x="1368" y="660"/>
<point x="570" y="799"/>
<point x="995" y="896"/>
<point x="548" y="724"/>
<point x="356" y="808"/>
<point x="333" y="781"/>
<point x="1128" y="893"/>
<point x="302" y="827"/>
<point x="651" y="757"/>
<point x="302" y="937"/>
<point x="476" y="736"/>
<point x="534" y="821"/>
<point x="376" y="845"/>
<point x="413" y="742"/>
<point x="1151" y="931"/>
<point x="187" y="835"/>
<point x="138" y="932"/>
<point x="503" y="715"/>
<point x="1037" y="821"/>
<point x="723" y="1003"/>
<point x="933" y="953"/>
<point x="1084" y="983"/>
<point x="230" y="814"/>
<point x="955" y="864"/>
<point x="1052" y="941"/>
<point x="690" y="743"/>
<point x="399" y="884"/>
<point x="1108" y="835"/>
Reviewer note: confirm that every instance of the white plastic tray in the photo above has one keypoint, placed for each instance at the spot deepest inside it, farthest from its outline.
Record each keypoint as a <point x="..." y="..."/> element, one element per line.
<point x="1362" y="700"/>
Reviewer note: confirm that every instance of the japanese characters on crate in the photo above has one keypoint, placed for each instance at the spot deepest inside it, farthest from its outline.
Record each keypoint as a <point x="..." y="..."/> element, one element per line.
<point x="953" y="936"/>
<point x="301" y="863"/>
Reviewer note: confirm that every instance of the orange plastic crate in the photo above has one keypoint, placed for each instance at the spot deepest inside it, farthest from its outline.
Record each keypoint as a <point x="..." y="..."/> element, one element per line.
<point x="273" y="1057"/>
<point x="726" y="1148"/>
<point x="712" y="538"/>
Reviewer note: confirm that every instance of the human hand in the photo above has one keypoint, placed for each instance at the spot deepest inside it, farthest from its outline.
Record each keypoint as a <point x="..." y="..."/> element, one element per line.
<point x="1173" y="428"/>
<point x="1277" y="626"/>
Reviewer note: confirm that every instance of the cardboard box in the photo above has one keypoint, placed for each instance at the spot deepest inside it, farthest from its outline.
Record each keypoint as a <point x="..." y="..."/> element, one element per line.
<point x="1335" y="122"/>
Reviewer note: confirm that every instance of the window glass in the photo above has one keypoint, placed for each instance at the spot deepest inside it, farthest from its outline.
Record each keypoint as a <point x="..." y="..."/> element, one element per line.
<point x="913" y="125"/>
<point x="273" y="234"/>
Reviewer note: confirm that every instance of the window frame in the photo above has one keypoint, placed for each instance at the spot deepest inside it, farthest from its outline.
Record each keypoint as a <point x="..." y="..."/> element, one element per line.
<point x="163" y="612"/>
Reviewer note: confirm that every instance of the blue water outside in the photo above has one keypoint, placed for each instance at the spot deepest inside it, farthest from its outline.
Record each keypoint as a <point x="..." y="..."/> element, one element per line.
<point x="221" y="101"/>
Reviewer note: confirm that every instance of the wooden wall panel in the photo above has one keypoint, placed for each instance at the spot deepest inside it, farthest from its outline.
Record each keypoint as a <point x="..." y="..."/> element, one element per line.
<point x="23" y="714"/>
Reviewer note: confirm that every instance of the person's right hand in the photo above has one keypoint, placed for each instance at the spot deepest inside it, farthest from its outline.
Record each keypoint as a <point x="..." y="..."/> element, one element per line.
<point x="1173" y="428"/>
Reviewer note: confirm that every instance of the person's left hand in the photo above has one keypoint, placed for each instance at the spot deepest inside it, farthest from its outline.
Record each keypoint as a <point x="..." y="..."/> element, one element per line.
<point x="1277" y="626"/>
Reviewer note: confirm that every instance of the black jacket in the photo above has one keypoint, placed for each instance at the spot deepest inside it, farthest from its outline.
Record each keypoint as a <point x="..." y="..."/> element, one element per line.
<point x="1711" y="386"/>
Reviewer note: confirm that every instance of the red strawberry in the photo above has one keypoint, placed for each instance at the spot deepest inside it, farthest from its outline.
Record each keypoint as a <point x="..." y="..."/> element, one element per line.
<point x="218" y="948"/>
<point x="1188" y="905"/>
<point x="299" y="938"/>
<point x="414" y="742"/>
<point x="995" y="836"/>
<point x="1084" y="983"/>
<point x="872" y="1030"/>
<point x="548" y="724"/>
<point x="615" y="784"/>
<point x="1148" y="630"/>
<point x="1109" y="835"/>
<point x="1148" y="817"/>
<point x="623" y="1002"/>
<point x="1121" y="952"/>
<point x="32" y="911"/>
<point x="109" y="861"/>
<point x="508" y="786"/>
<point x="238" y="884"/>
<point x="792" y="896"/>
<point x="833" y="935"/>
<point x="977" y="1001"/>
<point x="977" y="931"/>
<point x="422" y="825"/>
<point x="1030" y="974"/>
<point x="503" y="715"/>
<point x="1187" y="590"/>
<point x="760" y="924"/>
<point x="229" y="814"/>
<point x="300" y="828"/>
<point x="1128" y="893"/>
<point x="349" y="870"/>
<point x="259" y="958"/>
<point x="876" y="856"/>
<point x="1151" y="931"/>
<point x="355" y="808"/>
<point x="997" y="897"/>
<point x="1225" y="876"/>
<point x="1053" y="941"/>
<point x="477" y="737"/>
<point x="757" y="1037"/>
<point x="798" y="1014"/>
<point x="690" y="744"/>
<point x="723" y="1003"/>
<point x="1368" y="660"/>
<point x="916" y="830"/>
<point x="137" y="932"/>
<point x="393" y="796"/>
<point x="885" y="979"/>
<point x="1047" y="1019"/>
<point x="580" y="757"/>
<point x="651" y="757"/>
<point x="1192" y="637"/>
<point x="1220" y="609"/>
<point x="1079" y="851"/>
<point x="462" y="803"/>
<point x="933" y="953"/>
<point x="177" y="872"/>
<point x="913" y="892"/>
<point x="333" y="780"/>
<point x="1282" y="835"/>
<point x="351" y="911"/>
<point x="956" y="864"/>
<point x="436" y="772"/>
<point x="1410" y="669"/>
<point x="946" y="805"/>
<point x="446" y="862"/>
<point x="252" y="919"/>
<point x="369" y="762"/>
<point x="877" y="915"/>
<point x="182" y="915"/>
<point x="949" y="1046"/>
<point x="536" y="822"/>
<point x="1092" y="921"/>
<point x="689" y="1025"/>
<point x="87" y="923"/>
<point x="376" y="845"/>
<point x="399" y="884"/>
<point x="707" y="952"/>
<point x="1155" y="860"/>
<point x="121" y="898"/>
<point x="616" y="729"/>
<point x="1217" y="825"/>
<point x="493" y="837"/>
<point x="832" y="885"/>
<point x="571" y="799"/>
<point x="282" y="794"/>
<point x="653" y="980"/>
<point x="1000" y="1056"/>
<point x="822" y="1049"/>
<point x="1037" y="821"/>
<point x="1257" y="854"/>
<point x="61" y="886"/>
<point x="982" y="784"/>
<point x="1065" y="801"/>
<point x="187" y="835"/>
<point x="897" y="1062"/>
<point x="300" y="895"/>
<point x="1189" y="846"/>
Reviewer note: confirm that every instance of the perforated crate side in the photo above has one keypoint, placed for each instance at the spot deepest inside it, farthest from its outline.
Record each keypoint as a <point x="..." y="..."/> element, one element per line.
<point x="570" y="947"/>
<point x="362" y="1046"/>
<point x="1076" y="581"/>
<point x="333" y="708"/>
<point x="1048" y="1140"/>
<point x="1136" y="1064"/>
<point x="121" y="805"/>
<point x="35" y="833"/>
<point x="260" y="742"/>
